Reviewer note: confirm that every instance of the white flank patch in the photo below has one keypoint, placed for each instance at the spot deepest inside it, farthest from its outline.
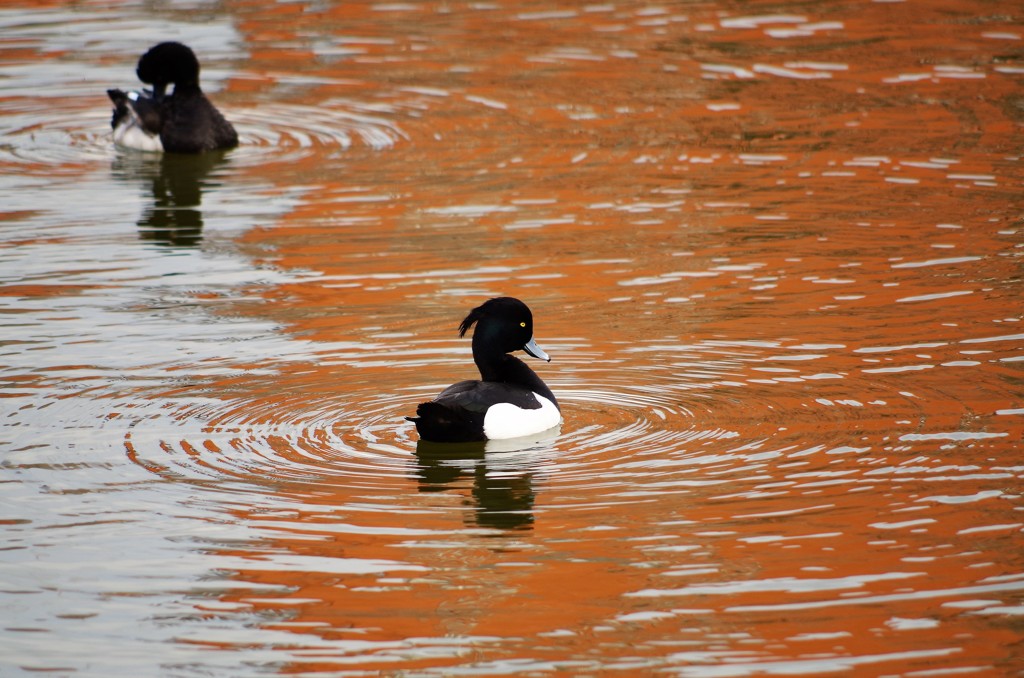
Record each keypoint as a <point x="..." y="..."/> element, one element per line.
<point x="130" y="133"/>
<point x="505" y="420"/>
<point x="131" y="136"/>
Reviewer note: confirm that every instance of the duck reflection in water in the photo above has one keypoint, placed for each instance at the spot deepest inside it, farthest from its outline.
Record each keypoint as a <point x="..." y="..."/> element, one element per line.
<point x="176" y="183"/>
<point x="502" y="493"/>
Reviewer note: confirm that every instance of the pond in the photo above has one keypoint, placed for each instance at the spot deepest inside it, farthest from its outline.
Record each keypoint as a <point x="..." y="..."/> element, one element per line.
<point x="775" y="251"/>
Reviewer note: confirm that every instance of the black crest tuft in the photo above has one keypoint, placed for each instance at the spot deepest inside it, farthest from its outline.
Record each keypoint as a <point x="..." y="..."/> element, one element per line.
<point x="470" y="320"/>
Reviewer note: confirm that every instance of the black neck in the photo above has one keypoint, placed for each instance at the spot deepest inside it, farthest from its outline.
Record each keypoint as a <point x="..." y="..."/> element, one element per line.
<point x="508" y="369"/>
<point x="187" y="89"/>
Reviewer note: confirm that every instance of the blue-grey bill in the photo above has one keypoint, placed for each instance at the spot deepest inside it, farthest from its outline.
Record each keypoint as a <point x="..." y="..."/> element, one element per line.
<point x="536" y="351"/>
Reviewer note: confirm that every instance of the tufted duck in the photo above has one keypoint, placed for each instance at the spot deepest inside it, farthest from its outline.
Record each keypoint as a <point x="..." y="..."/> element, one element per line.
<point x="509" y="400"/>
<point x="182" y="122"/>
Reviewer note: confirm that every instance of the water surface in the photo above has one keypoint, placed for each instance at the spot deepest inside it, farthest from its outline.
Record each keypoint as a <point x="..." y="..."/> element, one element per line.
<point x="774" y="251"/>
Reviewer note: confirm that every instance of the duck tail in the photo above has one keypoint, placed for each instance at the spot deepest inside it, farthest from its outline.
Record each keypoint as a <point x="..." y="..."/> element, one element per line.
<point x="437" y="423"/>
<point x="121" y="111"/>
<point x="140" y="108"/>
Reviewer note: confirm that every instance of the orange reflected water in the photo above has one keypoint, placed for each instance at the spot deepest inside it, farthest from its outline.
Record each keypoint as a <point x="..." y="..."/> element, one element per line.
<point x="774" y="252"/>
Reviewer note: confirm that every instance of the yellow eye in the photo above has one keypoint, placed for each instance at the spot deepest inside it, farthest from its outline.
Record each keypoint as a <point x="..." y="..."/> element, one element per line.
<point x="522" y="324"/>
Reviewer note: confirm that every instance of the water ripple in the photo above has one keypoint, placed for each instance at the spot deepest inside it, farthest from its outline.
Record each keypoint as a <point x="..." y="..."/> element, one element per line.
<point x="281" y="132"/>
<point x="626" y="433"/>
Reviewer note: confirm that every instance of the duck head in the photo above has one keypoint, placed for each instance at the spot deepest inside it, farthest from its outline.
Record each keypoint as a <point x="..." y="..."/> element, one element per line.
<point x="166" y="63"/>
<point x="503" y="325"/>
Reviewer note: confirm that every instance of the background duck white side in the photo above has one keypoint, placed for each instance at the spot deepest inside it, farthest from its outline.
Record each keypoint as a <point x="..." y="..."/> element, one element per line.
<point x="129" y="127"/>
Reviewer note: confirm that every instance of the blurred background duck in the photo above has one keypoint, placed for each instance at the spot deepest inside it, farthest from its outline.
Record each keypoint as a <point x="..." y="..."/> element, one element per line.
<point x="183" y="121"/>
